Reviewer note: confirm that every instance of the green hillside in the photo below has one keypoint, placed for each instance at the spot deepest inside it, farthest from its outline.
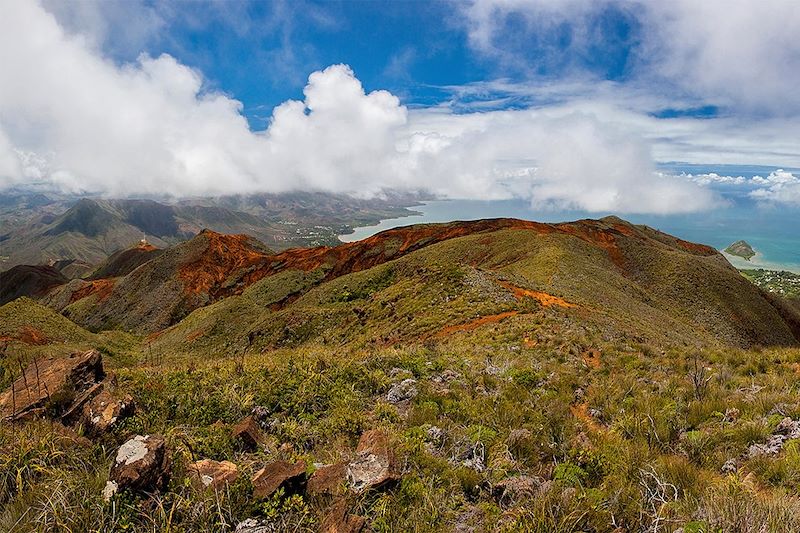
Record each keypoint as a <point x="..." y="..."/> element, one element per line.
<point x="589" y="376"/>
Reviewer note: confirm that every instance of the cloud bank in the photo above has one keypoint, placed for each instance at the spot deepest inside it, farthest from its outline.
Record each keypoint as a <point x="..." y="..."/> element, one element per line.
<point x="75" y="120"/>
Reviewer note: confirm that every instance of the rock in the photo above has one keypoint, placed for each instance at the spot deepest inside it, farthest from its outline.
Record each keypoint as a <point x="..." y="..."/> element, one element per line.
<point x="248" y="433"/>
<point x="109" y="490"/>
<point x="403" y="391"/>
<point x="435" y="435"/>
<point x="142" y="464"/>
<point x="339" y="520"/>
<point x="104" y="410"/>
<point x="729" y="467"/>
<point x="212" y="474"/>
<point x="731" y="414"/>
<point x="789" y="428"/>
<point x="474" y="457"/>
<point x="785" y="430"/>
<point x="446" y="376"/>
<point x="327" y="480"/>
<point x="375" y="465"/>
<point x="260" y="413"/>
<point x="251" y="525"/>
<point x="54" y="380"/>
<point x="276" y="475"/>
<point x="514" y="489"/>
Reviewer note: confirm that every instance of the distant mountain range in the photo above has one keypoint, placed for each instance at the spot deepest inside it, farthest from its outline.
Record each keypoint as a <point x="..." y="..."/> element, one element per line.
<point x="39" y="229"/>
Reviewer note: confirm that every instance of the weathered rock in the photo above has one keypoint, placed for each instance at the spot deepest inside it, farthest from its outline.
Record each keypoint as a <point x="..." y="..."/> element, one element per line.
<point x="104" y="410"/>
<point x="251" y="525"/>
<point x="142" y="464"/>
<point x="327" y="480"/>
<point x="375" y="465"/>
<point x="339" y="520"/>
<point x="514" y="489"/>
<point x="729" y="467"/>
<point x="731" y="414"/>
<point x="785" y="430"/>
<point x="280" y="474"/>
<point x="446" y="376"/>
<point x="206" y="473"/>
<point x="51" y="381"/>
<point x="249" y="433"/>
<point x="403" y="391"/>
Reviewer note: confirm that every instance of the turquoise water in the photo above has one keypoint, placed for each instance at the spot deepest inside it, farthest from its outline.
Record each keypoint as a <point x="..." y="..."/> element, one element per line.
<point x="773" y="232"/>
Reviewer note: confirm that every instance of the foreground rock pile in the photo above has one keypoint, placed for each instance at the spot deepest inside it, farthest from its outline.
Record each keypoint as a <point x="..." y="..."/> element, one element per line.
<point x="73" y="390"/>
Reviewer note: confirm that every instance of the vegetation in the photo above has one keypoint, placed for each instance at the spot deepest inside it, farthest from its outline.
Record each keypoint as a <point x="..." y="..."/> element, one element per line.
<point x="605" y="382"/>
<point x="778" y="282"/>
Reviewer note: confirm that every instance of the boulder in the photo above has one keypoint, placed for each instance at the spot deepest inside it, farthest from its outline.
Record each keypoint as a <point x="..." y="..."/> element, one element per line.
<point x="206" y="474"/>
<point x="327" y="480"/>
<point x="375" y="465"/>
<point x="52" y="382"/>
<point x="339" y="520"/>
<point x="249" y="433"/>
<point x="276" y="475"/>
<point x="104" y="410"/>
<point x="403" y="391"/>
<point x="142" y="464"/>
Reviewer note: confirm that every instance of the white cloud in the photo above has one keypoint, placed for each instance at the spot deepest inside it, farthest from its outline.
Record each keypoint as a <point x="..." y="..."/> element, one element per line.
<point x="780" y="187"/>
<point x="81" y="122"/>
<point x="727" y="52"/>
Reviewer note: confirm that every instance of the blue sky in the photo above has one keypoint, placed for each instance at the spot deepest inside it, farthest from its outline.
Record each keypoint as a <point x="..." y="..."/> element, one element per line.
<point x="580" y="104"/>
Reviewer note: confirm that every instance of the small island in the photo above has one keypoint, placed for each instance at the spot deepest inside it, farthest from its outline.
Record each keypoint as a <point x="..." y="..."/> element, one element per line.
<point x="741" y="249"/>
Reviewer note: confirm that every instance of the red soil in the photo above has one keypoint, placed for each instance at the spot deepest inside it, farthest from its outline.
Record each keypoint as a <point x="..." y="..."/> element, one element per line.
<point x="474" y="324"/>
<point x="230" y="264"/>
<point x="581" y="412"/>
<point x="101" y="287"/>
<point x="225" y="255"/>
<point x="27" y="335"/>
<point x="591" y="358"/>
<point x="545" y="299"/>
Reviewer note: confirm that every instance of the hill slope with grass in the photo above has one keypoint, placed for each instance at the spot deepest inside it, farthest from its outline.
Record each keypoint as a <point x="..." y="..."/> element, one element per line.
<point x="501" y="375"/>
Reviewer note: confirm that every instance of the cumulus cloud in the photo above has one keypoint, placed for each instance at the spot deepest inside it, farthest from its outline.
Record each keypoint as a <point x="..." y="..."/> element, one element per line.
<point x="780" y="187"/>
<point x="72" y="118"/>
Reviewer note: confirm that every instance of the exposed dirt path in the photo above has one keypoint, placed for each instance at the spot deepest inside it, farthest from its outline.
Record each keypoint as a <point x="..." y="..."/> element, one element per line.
<point x="474" y="324"/>
<point x="543" y="298"/>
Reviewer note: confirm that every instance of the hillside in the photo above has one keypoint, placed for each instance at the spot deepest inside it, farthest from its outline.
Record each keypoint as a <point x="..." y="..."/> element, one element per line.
<point x="28" y="280"/>
<point x="496" y="375"/>
<point x="406" y="282"/>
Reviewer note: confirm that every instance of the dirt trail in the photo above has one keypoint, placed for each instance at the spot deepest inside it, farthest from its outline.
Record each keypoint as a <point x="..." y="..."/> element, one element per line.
<point x="474" y="324"/>
<point x="581" y="412"/>
<point x="543" y="298"/>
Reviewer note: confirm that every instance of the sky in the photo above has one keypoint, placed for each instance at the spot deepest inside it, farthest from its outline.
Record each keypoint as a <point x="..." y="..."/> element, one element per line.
<point x="598" y="105"/>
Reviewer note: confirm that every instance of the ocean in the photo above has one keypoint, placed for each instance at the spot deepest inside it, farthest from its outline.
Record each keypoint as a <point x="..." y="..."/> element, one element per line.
<point x="773" y="232"/>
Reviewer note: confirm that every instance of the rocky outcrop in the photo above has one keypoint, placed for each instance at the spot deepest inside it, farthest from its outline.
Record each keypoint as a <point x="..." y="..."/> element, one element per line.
<point x="205" y="474"/>
<point x="73" y="390"/>
<point x="280" y="474"/>
<point x="104" y="410"/>
<point x="785" y="430"/>
<point x="403" y="391"/>
<point x="328" y="480"/>
<point x="142" y="464"/>
<point x="375" y="465"/>
<point x="60" y="385"/>
<point x="339" y="520"/>
<point x="248" y="433"/>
